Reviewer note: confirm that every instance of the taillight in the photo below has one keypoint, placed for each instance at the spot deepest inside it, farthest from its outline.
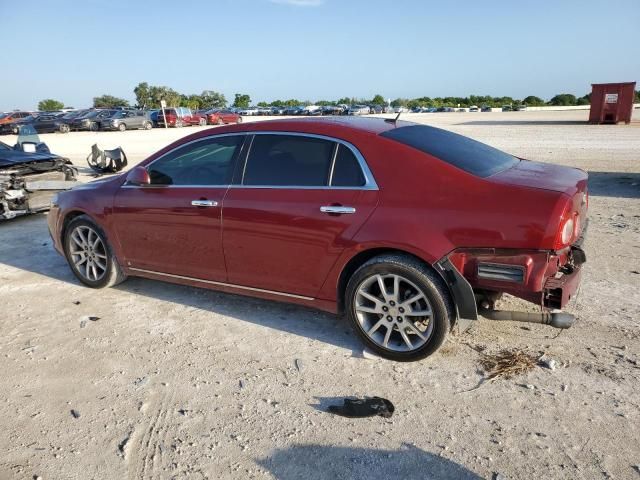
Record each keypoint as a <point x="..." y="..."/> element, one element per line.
<point x="568" y="231"/>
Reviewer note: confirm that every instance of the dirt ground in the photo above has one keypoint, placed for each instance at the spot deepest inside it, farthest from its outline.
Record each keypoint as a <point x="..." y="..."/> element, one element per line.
<point x="178" y="382"/>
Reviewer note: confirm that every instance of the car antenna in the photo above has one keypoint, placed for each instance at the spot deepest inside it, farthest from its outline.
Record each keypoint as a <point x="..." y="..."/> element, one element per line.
<point x="393" y="120"/>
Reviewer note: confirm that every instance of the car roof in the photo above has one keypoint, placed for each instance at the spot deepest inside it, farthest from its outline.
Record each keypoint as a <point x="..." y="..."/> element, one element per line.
<point x="365" y="125"/>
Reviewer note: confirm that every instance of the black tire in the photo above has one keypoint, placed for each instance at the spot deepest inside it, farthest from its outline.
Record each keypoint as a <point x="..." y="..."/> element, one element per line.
<point x="148" y="125"/>
<point x="430" y="284"/>
<point x="94" y="127"/>
<point x="64" y="128"/>
<point x="113" y="274"/>
<point x="122" y="127"/>
<point x="202" y="122"/>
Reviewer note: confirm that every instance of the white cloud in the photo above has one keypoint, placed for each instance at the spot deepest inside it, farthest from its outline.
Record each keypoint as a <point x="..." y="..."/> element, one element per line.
<point x="300" y="3"/>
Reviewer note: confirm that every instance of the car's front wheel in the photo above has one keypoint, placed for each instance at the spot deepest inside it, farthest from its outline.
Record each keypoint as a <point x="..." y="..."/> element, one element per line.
<point x="64" y="128"/>
<point x="122" y="127"/>
<point x="89" y="255"/>
<point x="399" y="307"/>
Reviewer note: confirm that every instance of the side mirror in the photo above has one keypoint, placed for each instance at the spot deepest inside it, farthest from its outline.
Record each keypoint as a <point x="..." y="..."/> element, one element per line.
<point x="138" y="176"/>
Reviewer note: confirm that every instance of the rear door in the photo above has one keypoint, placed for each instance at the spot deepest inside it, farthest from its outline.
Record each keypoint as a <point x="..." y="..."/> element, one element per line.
<point x="294" y="207"/>
<point x="174" y="225"/>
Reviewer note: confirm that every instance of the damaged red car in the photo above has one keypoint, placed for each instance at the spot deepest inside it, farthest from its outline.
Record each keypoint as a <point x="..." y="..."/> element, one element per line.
<point x="406" y="229"/>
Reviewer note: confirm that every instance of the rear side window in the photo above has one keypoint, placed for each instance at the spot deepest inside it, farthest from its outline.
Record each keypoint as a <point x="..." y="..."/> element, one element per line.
<point x="203" y="163"/>
<point x="288" y="160"/>
<point x="469" y="155"/>
<point x="346" y="171"/>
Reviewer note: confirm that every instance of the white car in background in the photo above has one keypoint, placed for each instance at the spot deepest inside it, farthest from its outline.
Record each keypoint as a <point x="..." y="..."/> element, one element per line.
<point x="401" y="110"/>
<point x="248" y="111"/>
<point x="358" y="110"/>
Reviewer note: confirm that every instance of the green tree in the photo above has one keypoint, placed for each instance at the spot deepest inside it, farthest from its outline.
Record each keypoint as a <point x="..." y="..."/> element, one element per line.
<point x="378" y="100"/>
<point x="637" y="100"/>
<point x="345" y="101"/>
<point x="533" y="101"/>
<point x="563" y="99"/>
<point x="143" y="95"/>
<point x="242" y="100"/>
<point x="211" y="99"/>
<point x="167" y="94"/>
<point x="109" y="101"/>
<point x="49" y="105"/>
<point x="584" y="100"/>
<point x="400" y="102"/>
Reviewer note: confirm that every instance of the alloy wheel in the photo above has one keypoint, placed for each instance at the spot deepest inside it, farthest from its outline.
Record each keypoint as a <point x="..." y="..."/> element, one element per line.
<point x="393" y="312"/>
<point x="88" y="253"/>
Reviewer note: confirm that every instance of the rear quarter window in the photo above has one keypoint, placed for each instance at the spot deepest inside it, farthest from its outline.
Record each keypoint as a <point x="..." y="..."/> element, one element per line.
<point x="462" y="152"/>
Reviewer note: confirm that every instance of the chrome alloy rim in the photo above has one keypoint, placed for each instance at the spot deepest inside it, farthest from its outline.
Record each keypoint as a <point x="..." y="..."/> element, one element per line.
<point x="88" y="253"/>
<point x="393" y="312"/>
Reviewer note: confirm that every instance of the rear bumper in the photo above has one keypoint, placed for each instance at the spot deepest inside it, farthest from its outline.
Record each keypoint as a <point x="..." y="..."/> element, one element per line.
<point x="558" y="291"/>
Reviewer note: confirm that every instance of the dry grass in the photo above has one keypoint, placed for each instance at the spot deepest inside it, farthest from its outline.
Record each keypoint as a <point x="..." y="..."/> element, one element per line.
<point x="507" y="363"/>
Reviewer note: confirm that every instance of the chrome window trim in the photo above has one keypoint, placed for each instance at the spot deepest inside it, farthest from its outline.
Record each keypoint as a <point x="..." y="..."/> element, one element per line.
<point x="197" y="140"/>
<point x="222" y="284"/>
<point x="370" y="182"/>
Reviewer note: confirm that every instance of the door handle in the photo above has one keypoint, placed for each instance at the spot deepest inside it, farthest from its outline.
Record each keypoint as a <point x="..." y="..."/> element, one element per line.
<point x="337" y="209"/>
<point x="204" y="203"/>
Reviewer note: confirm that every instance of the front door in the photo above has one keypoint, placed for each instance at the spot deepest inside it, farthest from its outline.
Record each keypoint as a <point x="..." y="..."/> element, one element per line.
<point x="174" y="225"/>
<point x="298" y="204"/>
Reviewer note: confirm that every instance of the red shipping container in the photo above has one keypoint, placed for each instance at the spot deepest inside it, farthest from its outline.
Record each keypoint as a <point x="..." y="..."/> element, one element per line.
<point x="612" y="102"/>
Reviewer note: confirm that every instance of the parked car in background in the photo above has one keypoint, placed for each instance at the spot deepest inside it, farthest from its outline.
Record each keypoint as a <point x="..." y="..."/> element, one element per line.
<point x="386" y="249"/>
<point x="519" y="108"/>
<point x="9" y="118"/>
<point x="401" y="109"/>
<point x="507" y="108"/>
<point x="278" y="110"/>
<point x="358" y="110"/>
<point x="180" y="117"/>
<point x="218" y="116"/>
<point x="153" y="116"/>
<point x="295" y="110"/>
<point x="376" y="109"/>
<point x="485" y="108"/>
<point x="43" y="123"/>
<point x="474" y="108"/>
<point x="249" y="111"/>
<point x="332" y="110"/>
<point x="89" y="120"/>
<point x="127" y="120"/>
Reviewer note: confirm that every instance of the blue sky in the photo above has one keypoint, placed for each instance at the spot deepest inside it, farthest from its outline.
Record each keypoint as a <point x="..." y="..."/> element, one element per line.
<point x="314" y="49"/>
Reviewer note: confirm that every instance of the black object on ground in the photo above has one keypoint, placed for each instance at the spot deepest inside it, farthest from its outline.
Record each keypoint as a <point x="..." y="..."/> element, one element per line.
<point x="107" y="161"/>
<point x="364" y="407"/>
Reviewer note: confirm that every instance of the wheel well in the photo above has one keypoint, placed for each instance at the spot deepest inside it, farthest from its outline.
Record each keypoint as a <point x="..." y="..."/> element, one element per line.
<point x="360" y="259"/>
<point x="67" y="219"/>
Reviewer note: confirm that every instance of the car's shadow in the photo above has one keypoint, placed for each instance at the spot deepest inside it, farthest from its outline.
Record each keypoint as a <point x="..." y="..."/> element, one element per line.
<point x="312" y="462"/>
<point x="614" y="184"/>
<point x="26" y="245"/>
<point x="524" y="122"/>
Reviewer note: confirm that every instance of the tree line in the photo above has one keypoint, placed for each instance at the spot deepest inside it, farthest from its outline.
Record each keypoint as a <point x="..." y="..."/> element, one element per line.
<point x="150" y="96"/>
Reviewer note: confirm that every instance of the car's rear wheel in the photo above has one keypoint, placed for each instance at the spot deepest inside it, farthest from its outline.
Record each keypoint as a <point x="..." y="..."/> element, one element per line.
<point x="399" y="307"/>
<point x="89" y="254"/>
<point x="148" y="125"/>
<point x="178" y="123"/>
<point x="202" y="122"/>
<point x="64" y="128"/>
<point x="220" y="121"/>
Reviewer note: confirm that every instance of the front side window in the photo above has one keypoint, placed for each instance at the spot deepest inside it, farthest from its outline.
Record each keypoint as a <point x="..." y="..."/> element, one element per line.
<point x="208" y="162"/>
<point x="288" y="160"/>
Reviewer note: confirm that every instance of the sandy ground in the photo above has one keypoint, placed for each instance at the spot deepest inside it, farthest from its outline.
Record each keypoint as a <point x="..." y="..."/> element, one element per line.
<point x="178" y="382"/>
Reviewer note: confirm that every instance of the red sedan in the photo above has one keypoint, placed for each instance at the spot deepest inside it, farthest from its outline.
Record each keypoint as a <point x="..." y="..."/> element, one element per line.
<point x="407" y="229"/>
<point x="222" y="117"/>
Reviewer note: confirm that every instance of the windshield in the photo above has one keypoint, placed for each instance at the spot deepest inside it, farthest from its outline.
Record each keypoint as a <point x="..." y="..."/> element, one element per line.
<point x="27" y="133"/>
<point x="469" y="155"/>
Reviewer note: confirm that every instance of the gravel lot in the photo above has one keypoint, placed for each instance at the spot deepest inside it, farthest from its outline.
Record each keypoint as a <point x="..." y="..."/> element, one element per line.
<point x="178" y="382"/>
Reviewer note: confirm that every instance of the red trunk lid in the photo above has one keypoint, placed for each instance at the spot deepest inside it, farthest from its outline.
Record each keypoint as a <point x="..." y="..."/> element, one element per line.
<point x="545" y="176"/>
